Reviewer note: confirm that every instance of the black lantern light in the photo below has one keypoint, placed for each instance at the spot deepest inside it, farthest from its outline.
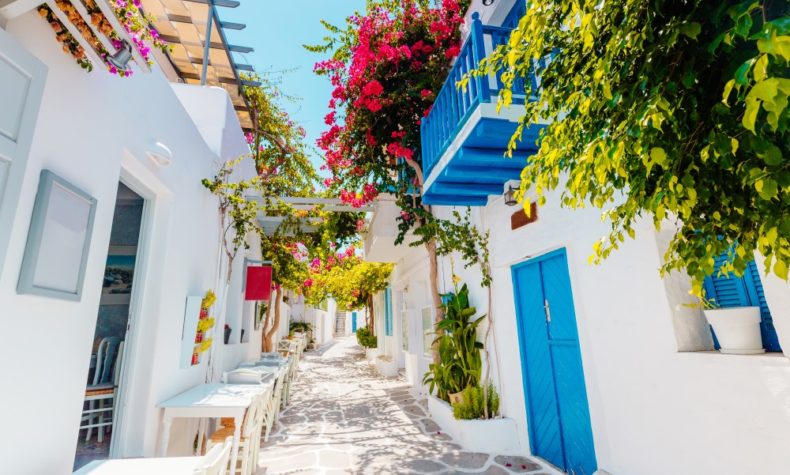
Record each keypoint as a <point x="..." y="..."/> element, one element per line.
<point x="510" y="196"/>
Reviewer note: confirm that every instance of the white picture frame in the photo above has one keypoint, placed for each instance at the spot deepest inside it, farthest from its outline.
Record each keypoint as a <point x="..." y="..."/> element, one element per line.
<point x="58" y="241"/>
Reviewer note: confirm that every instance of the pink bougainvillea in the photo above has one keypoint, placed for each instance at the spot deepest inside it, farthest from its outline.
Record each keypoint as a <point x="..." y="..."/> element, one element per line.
<point x="384" y="75"/>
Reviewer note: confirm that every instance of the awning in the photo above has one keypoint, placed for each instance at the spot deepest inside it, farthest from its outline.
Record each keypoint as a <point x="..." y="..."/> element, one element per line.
<point x="182" y="24"/>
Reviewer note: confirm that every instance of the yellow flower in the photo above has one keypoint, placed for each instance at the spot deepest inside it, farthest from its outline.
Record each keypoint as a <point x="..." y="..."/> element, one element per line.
<point x="208" y="299"/>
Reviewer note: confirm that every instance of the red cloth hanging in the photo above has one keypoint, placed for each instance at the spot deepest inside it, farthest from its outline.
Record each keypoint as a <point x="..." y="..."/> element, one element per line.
<point x="259" y="283"/>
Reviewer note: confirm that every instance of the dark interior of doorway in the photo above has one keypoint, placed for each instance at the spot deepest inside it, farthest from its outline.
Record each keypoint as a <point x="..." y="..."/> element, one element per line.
<point x="108" y="349"/>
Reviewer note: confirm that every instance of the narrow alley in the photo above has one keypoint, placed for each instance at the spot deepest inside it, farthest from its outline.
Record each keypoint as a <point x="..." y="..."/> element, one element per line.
<point x="344" y="418"/>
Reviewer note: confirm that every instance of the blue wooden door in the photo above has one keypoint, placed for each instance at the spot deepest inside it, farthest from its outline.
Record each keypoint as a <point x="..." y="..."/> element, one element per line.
<point x="558" y="414"/>
<point x="353" y="322"/>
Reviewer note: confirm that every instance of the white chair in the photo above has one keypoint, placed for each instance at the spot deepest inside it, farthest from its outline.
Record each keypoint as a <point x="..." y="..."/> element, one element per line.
<point x="272" y="409"/>
<point x="215" y="462"/>
<point x="250" y="436"/>
<point x="103" y="389"/>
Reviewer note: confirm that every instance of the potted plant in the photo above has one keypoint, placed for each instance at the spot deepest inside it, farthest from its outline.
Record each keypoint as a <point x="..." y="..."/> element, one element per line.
<point x="460" y="362"/>
<point x="228" y="329"/>
<point x="369" y="342"/>
<point x="736" y="328"/>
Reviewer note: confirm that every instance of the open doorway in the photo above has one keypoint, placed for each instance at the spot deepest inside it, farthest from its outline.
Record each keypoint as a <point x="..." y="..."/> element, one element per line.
<point x="109" y="342"/>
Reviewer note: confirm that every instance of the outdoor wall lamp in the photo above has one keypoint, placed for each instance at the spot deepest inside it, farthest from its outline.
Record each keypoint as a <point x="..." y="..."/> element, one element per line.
<point x="488" y="3"/>
<point x="160" y="154"/>
<point x="121" y="57"/>
<point x="510" y="195"/>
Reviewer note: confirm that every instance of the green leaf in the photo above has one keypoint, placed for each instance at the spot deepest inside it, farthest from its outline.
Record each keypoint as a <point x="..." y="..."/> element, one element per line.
<point x="772" y="155"/>
<point x="766" y="188"/>
<point x="760" y="70"/>
<point x="742" y="74"/>
<point x="776" y="46"/>
<point x="743" y="24"/>
<point x="727" y="89"/>
<point x="691" y="29"/>
<point x="658" y="155"/>
<point x="780" y="269"/>
<point x="750" y="114"/>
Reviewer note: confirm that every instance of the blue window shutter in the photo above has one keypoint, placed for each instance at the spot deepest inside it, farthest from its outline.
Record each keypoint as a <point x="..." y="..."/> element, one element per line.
<point x="747" y="291"/>
<point x="388" y="311"/>
<point x="754" y="288"/>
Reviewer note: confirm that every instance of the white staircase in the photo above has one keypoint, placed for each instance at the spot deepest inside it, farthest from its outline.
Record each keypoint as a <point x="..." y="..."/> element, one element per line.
<point x="340" y="323"/>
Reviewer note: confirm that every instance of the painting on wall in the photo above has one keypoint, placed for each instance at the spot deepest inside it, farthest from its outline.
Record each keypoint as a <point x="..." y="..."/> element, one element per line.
<point x="118" y="275"/>
<point x="58" y="241"/>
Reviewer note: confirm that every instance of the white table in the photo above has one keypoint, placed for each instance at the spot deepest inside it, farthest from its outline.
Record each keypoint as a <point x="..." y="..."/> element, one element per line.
<point x="212" y="400"/>
<point x="149" y="466"/>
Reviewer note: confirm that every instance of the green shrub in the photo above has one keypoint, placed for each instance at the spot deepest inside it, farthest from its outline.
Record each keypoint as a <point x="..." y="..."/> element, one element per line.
<point x="365" y="339"/>
<point x="471" y="407"/>
<point x="303" y="327"/>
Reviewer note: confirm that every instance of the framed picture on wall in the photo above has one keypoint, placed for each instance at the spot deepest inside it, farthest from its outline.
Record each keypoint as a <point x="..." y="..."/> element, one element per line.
<point x="118" y="276"/>
<point x="58" y="241"/>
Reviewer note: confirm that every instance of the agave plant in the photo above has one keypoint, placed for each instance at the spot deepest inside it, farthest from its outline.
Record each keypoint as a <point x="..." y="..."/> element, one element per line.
<point x="460" y="362"/>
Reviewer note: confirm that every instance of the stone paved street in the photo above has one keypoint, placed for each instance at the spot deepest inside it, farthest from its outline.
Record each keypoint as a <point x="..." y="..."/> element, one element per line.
<point x="344" y="418"/>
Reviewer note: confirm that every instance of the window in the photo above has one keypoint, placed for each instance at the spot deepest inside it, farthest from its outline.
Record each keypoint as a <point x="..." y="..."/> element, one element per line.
<point x="404" y="322"/>
<point x="388" y="311"/>
<point x="427" y="330"/>
<point x="747" y="291"/>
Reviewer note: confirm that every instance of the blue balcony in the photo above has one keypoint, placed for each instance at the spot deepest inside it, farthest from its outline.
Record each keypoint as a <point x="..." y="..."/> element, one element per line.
<point x="464" y="139"/>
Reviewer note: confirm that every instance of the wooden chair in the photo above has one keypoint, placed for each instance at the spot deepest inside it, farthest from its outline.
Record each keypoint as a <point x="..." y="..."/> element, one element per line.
<point x="103" y="389"/>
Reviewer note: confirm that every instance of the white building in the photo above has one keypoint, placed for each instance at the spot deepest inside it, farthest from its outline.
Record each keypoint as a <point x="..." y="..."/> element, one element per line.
<point x="599" y="367"/>
<point x="136" y="150"/>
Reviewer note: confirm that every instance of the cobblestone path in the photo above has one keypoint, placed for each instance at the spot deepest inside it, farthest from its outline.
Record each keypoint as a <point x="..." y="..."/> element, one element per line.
<point x="344" y="418"/>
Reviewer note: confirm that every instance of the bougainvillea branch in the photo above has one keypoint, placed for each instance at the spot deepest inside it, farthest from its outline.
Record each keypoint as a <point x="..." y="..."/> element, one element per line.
<point x="386" y="67"/>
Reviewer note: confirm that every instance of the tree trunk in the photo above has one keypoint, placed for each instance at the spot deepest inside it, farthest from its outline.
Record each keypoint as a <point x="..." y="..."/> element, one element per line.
<point x="269" y="342"/>
<point x="265" y="325"/>
<point x="371" y="316"/>
<point x="430" y="246"/>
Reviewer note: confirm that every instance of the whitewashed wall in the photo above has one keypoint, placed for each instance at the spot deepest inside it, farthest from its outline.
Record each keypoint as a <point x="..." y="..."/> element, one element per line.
<point x="323" y="321"/>
<point x="94" y="129"/>
<point x="654" y="410"/>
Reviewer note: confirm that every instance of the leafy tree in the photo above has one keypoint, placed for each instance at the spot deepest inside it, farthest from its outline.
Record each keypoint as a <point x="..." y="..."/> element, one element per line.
<point x="284" y="169"/>
<point x="349" y="280"/>
<point x="387" y="65"/>
<point x="674" y="110"/>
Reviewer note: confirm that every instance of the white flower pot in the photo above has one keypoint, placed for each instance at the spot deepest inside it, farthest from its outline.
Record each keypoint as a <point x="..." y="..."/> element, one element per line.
<point x="371" y="354"/>
<point x="737" y="329"/>
<point x="387" y="366"/>
<point x="494" y="436"/>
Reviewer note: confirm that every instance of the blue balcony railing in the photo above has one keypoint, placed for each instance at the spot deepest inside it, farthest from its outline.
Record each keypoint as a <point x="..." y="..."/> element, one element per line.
<point x="453" y="105"/>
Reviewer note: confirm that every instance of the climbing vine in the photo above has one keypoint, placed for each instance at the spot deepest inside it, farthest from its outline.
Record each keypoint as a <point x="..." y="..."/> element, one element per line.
<point x="673" y="110"/>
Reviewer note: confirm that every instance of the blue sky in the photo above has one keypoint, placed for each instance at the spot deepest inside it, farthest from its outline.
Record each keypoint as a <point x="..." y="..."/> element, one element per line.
<point x="277" y="29"/>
